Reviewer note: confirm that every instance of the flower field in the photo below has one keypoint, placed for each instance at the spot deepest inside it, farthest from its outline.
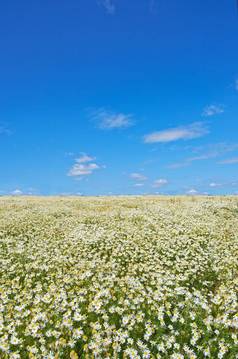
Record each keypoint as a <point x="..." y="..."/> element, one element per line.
<point x="119" y="277"/>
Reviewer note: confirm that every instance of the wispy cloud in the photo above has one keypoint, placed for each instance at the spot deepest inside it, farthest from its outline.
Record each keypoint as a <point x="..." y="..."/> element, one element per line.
<point x="1" y="130"/>
<point x="152" y="6"/>
<point x="138" y="177"/>
<point x="236" y="84"/>
<point x="69" y="154"/>
<point x="213" y="110"/>
<point x="84" y="158"/>
<point x="160" y="182"/>
<point x="211" y="151"/>
<point x="223" y="184"/>
<point x="192" y="192"/>
<point x="84" y="166"/>
<point x="4" y="130"/>
<point x="190" y="160"/>
<point x="194" y="130"/>
<point x="108" y="120"/>
<point x="109" y="6"/>
<point x="214" y="184"/>
<point x="139" y="184"/>
<point x="230" y="161"/>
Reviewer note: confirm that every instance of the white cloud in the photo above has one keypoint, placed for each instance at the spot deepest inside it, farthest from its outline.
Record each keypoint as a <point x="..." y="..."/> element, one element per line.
<point x="109" y="6"/>
<point x="189" y="132"/>
<point x="139" y="184"/>
<point x="160" y="182"/>
<point x="138" y="177"/>
<point x="17" y="192"/>
<point x="214" y="184"/>
<point x="192" y="191"/>
<point x="83" y="166"/>
<point x="230" y="161"/>
<point x="108" y="120"/>
<point x="213" y="110"/>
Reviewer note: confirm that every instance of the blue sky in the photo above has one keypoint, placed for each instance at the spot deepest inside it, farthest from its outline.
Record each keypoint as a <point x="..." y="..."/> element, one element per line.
<point x="119" y="97"/>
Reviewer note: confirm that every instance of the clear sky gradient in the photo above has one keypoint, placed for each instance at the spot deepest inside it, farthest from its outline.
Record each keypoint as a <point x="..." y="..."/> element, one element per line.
<point x="118" y="97"/>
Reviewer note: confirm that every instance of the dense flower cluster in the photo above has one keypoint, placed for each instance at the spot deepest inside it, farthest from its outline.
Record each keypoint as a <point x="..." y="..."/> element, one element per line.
<point x="123" y="277"/>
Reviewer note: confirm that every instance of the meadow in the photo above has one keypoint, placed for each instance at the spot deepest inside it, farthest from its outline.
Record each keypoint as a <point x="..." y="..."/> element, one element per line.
<point x="119" y="277"/>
